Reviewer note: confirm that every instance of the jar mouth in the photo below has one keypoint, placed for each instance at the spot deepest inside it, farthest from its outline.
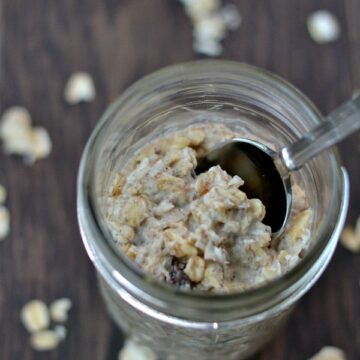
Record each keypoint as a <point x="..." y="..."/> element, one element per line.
<point x="110" y="263"/>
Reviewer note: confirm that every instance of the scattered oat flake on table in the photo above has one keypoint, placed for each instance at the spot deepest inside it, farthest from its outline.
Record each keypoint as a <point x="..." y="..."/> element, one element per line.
<point x="200" y="8"/>
<point x="60" y="331"/>
<point x="210" y="48"/>
<point x="134" y="351"/>
<point x="329" y="353"/>
<point x="323" y="27"/>
<point x="59" y="309"/>
<point x="231" y="16"/>
<point x="210" y="28"/>
<point x="79" y="88"/>
<point x="14" y="130"/>
<point x="350" y="238"/>
<point x="3" y="194"/>
<point x="41" y="143"/>
<point x="211" y="23"/>
<point x="44" y="340"/>
<point x="19" y="138"/>
<point x="35" y="316"/>
<point x="4" y="222"/>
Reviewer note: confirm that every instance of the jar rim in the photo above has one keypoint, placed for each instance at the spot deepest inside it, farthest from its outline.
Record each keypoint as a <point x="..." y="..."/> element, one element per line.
<point x="160" y="294"/>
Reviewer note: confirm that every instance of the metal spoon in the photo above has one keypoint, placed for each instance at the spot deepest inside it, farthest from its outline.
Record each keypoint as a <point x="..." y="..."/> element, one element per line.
<point x="266" y="173"/>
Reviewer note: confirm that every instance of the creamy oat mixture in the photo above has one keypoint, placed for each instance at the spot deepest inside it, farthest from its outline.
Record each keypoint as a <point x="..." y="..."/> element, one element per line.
<point x="198" y="231"/>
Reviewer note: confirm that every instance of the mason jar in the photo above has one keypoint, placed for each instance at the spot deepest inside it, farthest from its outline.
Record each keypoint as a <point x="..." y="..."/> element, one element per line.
<point x="179" y="324"/>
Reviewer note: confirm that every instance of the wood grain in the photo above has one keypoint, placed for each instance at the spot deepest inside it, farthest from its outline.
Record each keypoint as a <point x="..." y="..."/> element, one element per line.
<point x="118" y="41"/>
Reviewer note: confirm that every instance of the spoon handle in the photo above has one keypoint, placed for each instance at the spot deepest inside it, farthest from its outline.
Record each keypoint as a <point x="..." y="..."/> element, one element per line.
<point x="340" y="123"/>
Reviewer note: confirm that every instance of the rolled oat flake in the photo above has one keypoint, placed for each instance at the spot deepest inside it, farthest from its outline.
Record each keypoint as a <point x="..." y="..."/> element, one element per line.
<point x="44" y="340"/>
<point x="323" y="27"/>
<point x="35" y="316"/>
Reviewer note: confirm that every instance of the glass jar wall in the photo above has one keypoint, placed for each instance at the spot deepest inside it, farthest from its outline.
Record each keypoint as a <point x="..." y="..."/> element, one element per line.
<point x="191" y="325"/>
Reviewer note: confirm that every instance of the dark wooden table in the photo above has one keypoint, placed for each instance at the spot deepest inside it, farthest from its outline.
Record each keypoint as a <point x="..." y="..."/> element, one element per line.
<point x="41" y="43"/>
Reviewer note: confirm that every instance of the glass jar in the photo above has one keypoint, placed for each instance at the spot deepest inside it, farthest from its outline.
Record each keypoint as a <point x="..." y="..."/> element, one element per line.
<point x="189" y="325"/>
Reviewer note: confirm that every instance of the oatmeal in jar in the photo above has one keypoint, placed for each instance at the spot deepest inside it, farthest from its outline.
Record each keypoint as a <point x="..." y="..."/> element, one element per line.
<point x="199" y="231"/>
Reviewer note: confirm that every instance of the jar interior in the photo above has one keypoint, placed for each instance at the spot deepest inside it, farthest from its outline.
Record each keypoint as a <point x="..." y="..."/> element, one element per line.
<point x="271" y="116"/>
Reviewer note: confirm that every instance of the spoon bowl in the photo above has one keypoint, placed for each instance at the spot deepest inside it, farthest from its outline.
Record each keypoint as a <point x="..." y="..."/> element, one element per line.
<point x="266" y="172"/>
